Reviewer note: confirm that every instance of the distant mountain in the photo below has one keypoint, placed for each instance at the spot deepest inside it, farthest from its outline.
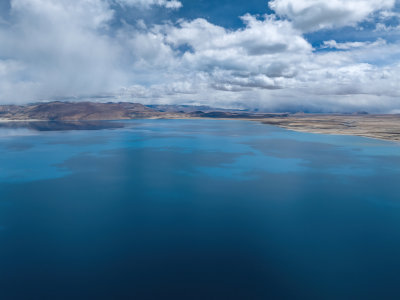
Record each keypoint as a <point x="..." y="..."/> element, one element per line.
<point x="170" y="108"/>
<point x="235" y="115"/>
<point x="90" y="111"/>
<point x="71" y="111"/>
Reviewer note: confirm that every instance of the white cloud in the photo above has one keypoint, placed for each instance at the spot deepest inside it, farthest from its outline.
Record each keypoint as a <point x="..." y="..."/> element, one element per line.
<point x="332" y="44"/>
<point x="259" y="37"/>
<point x="380" y="27"/>
<point x="311" y="15"/>
<point x="256" y="56"/>
<point x="171" y="4"/>
<point x="59" y="49"/>
<point x="87" y="14"/>
<point x="388" y="14"/>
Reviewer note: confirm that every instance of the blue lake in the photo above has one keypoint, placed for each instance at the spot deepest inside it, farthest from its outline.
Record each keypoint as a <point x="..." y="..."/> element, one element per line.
<point x="196" y="209"/>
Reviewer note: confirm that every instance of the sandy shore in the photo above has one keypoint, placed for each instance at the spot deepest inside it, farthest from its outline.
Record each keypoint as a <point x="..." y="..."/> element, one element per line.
<point x="384" y="127"/>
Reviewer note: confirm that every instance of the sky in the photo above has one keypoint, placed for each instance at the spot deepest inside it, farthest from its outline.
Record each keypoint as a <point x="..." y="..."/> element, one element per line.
<point x="278" y="55"/>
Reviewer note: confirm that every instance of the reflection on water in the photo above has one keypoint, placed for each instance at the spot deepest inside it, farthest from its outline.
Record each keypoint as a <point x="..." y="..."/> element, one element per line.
<point x="61" y="125"/>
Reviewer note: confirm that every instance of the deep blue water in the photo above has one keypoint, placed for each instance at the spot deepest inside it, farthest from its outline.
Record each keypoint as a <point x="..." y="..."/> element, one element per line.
<point x="197" y="209"/>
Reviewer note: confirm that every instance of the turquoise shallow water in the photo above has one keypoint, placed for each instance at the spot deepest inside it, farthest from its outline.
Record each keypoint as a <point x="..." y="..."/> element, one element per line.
<point x="196" y="209"/>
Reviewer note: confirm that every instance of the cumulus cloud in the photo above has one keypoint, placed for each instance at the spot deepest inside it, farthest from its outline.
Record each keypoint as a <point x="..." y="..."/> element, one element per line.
<point x="381" y="27"/>
<point x="311" y="15"/>
<point x="172" y="4"/>
<point x="259" y="37"/>
<point x="332" y="44"/>
<point x="258" y="55"/>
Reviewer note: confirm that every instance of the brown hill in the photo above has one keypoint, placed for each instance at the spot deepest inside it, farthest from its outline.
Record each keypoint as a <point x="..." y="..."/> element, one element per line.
<point x="71" y="111"/>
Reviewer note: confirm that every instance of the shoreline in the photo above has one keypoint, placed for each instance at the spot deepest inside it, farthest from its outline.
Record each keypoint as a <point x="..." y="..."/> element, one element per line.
<point x="380" y="127"/>
<point x="337" y="132"/>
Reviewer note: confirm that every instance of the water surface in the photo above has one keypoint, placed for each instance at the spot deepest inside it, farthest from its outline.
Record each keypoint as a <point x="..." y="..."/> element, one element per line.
<point x="196" y="209"/>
